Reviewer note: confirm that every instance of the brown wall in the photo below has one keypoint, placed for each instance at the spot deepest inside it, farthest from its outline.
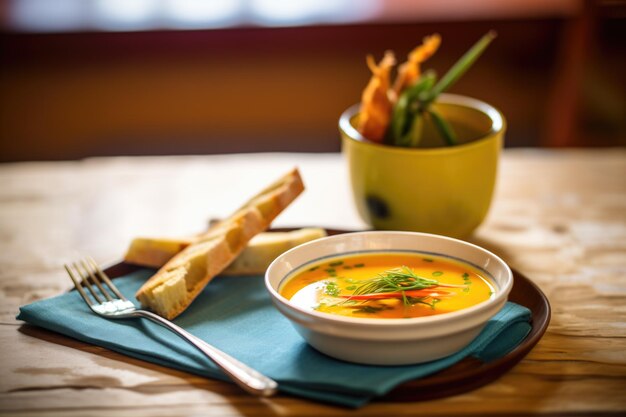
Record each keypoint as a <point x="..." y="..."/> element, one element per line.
<point x="66" y="96"/>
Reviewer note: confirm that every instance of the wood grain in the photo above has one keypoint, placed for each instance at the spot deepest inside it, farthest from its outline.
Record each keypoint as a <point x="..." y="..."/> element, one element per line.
<point x="558" y="217"/>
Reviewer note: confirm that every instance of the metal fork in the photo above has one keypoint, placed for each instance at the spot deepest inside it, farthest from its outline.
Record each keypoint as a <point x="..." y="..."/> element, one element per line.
<point x="113" y="305"/>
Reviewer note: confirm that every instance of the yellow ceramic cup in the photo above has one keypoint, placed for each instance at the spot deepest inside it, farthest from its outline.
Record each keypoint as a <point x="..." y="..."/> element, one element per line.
<point x="441" y="190"/>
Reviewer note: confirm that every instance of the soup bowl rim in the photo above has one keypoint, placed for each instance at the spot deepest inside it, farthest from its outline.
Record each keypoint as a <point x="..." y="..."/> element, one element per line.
<point x="500" y="297"/>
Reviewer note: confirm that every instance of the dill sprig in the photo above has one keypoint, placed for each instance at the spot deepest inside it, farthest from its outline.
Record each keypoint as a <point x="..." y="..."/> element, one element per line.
<point x="393" y="280"/>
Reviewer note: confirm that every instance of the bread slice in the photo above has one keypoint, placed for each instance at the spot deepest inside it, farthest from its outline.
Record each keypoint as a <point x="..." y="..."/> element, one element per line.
<point x="266" y="247"/>
<point x="154" y="252"/>
<point x="254" y="260"/>
<point x="179" y="281"/>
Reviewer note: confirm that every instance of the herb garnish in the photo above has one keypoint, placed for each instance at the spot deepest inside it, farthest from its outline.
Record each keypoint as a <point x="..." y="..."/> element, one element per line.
<point x="336" y="263"/>
<point x="331" y="288"/>
<point x="437" y="274"/>
<point x="399" y="279"/>
<point x="359" y="265"/>
<point x="367" y="309"/>
<point x="400" y="283"/>
<point x="331" y="271"/>
<point x="422" y="300"/>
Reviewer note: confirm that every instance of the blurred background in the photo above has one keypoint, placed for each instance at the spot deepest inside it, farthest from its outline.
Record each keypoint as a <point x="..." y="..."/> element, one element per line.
<point x="84" y="78"/>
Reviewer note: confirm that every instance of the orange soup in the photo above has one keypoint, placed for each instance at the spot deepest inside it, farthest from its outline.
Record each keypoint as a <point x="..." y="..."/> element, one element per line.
<point x="388" y="285"/>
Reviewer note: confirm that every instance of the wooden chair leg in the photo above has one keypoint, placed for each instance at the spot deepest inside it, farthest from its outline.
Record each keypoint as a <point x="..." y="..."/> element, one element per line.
<point x="563" y="106"/>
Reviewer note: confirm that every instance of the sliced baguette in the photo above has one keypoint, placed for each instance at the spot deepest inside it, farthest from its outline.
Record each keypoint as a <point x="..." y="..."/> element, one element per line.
<point x="255" y="258"/>
<point x="266" y="247"/>
<point x="155" y="252"/>
<point x="179" y="281"/>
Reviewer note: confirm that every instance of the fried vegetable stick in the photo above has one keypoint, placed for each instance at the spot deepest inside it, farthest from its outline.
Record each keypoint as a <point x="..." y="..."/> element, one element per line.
<point x="375" y="113"/>
<point x="409" y="72"/>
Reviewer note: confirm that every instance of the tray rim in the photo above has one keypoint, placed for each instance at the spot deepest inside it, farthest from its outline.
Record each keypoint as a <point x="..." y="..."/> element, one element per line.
<point x="484" y="373"/>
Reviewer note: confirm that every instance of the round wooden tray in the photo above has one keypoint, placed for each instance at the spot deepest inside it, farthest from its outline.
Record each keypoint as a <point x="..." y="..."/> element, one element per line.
<point x="469" y="373"/>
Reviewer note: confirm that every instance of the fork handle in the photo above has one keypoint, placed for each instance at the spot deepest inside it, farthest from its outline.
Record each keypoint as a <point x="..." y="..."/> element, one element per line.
<point x="247" y="378"/>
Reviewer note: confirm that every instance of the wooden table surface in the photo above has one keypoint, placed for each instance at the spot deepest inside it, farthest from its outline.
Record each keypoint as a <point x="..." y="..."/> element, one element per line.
<point x="558" y="216"/>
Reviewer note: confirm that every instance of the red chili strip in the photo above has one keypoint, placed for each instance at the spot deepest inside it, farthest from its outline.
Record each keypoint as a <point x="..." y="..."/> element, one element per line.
<point x="410" y="293"/>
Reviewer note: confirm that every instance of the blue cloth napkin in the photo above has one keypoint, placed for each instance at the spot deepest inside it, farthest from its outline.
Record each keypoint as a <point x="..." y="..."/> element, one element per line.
<point x="235" y="314"/>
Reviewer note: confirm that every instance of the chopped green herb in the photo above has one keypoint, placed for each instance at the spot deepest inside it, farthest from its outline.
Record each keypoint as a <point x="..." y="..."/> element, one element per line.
<point x="428" y="260"/>
<point x="437" y="274"/>
<point x="370" y="309"/>
<point x="359" y="265"/>
<point x="490" y="293"/>
<point x="314" y="268"/>
<point x="351" y="288"/>
<point x="330" y="270"/>
<point x="332" y="288"/>
<point x="422" y="300"/>
<point x="465" y="275"/>
<point x="336" y="263"/>
<point x="466" y="289"/>
<point x="416" y="300"/>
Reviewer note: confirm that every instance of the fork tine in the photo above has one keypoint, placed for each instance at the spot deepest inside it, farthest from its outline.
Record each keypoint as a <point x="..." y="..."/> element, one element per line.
<point x="78" y="286"/>
<point x="84" y="280"/>
<point x="95" y="280"/>
<point x="106" y="279"/>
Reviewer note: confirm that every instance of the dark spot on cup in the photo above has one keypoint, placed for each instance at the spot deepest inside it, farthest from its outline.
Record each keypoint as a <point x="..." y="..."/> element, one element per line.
<point x="377" y="207"/>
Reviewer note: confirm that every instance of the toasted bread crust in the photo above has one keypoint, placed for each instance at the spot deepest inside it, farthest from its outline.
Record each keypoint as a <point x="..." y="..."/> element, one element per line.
<point x="266" y="247"/>
<point x="192" y="268"/>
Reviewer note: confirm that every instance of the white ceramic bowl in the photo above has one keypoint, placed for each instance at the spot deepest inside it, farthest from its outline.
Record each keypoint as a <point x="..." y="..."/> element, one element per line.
<point x="388" y="341"/>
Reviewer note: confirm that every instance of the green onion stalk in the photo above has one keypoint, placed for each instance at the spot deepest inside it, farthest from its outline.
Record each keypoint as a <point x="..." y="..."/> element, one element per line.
<point x="416" y="102"/>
